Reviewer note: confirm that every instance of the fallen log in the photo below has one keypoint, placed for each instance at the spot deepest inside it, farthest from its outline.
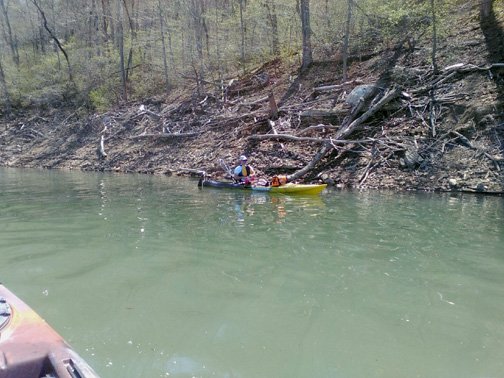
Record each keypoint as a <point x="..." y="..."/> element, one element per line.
<point x="197" y="172"/>
<point x="344" y="132"/>
<point x="317" y="127"/>
<point x="316" y="116"/>
<point x="286" y="137"/>
<point x="293" y="138"/>
<point x="323" y="113"/>
<point x="318" y="156"/>
<point x="164" y="136"/>
<point x="330" y="88"/>
<point x="316" y="113"/>
<point x="251" y="103"/>
<point x="146" y="112"/>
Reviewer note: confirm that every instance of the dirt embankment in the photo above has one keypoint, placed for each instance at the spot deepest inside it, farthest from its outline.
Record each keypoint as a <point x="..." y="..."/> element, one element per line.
<point x="439" y="130"/>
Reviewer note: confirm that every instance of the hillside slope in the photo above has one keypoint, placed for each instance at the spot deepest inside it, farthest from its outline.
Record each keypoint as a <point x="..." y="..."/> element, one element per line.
<point x="441" y="130"/>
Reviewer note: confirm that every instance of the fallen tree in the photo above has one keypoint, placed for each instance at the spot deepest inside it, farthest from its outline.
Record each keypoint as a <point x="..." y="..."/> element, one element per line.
<point x="328" y="144"/>
<point x="164" y="136"/>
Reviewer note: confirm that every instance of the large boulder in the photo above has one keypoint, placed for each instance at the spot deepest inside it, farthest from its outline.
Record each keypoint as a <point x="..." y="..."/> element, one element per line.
<point x="364" y="92"/>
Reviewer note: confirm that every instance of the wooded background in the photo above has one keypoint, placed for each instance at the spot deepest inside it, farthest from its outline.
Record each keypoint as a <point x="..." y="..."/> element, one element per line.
<point x="96" y="53"/>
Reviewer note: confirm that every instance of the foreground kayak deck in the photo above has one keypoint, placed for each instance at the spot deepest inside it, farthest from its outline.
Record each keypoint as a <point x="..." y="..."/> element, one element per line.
<point x="30" y="348"/>
<point x="285" y="189"/>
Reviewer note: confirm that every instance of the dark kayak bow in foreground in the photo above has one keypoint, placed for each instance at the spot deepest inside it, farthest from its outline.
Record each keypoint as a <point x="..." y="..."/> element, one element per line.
<point x="30" y="348"/>
<point x="288" y="188"/>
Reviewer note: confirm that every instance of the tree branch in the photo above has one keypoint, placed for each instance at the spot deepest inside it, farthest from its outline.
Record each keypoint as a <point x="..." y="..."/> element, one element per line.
<point x="56" y="40"/>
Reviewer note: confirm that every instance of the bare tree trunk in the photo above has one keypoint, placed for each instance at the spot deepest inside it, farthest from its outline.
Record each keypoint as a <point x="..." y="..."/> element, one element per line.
<point x="94" y="28"/>
<point x="135" y="7"/>
<point x="204" y="28"/>
<point x="434" y="36"/>
<point x="132" y="28"/>
<point x="197" y="15"/>
<point x="120" y="45"/>
<point x="346" y="41"/>
<point x="40" y="39"/>
<point x="328" y="19"/>
<point x="90" y="29"/>
<point x="494" y="36"/>
<point x="128" y="15"/>
<point x="9" y="37"/>
<point x="107" y="18"/>
<point x="242" y="34"/>
<point x="170" y="47"/>
<point x="273" y="20"/>
<point x="55" y="32"/>
<point x="218" y="58"/>
<point x="165" y="62"/>
<point x="307" y="59"/>
<point x="485" y="8"/>
<point x="3" y="85"/>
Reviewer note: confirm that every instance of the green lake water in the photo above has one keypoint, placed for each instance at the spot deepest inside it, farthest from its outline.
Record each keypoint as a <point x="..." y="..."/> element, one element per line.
<point x="153" y="277"/>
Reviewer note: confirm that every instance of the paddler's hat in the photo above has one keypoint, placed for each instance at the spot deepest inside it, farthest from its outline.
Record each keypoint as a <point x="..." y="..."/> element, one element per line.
<point x="243" y="158"/>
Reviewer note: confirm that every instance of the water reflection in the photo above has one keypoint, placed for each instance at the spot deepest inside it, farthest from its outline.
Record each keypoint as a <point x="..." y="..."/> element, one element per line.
<point x="103" y="198"/>
<point x="248" y="209"/>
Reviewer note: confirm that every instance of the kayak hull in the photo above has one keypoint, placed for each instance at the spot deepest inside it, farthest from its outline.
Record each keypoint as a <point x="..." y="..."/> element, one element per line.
<point x="30" y="348"/>
<point x="288" y="188"/>
<point x="292" y="188"/>
<point x="222" y="184"/>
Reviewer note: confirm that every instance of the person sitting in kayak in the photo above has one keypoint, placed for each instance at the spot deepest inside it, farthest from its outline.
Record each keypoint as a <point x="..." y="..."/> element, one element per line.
<point x="244" y="173"/>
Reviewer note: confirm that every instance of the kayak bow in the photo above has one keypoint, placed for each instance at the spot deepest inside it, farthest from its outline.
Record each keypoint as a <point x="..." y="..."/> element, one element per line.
<point x="30" y="348"/>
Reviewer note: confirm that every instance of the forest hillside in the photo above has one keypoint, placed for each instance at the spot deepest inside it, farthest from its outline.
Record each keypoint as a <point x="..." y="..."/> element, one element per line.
<point x="411" y="101"/>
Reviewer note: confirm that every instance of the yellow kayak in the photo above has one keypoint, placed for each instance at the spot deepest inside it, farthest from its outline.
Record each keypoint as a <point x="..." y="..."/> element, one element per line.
<point x="290" y="188"/>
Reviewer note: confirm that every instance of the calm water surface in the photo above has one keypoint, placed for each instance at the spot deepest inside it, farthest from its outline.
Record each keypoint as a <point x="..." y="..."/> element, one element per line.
<point x="153" y="277"/>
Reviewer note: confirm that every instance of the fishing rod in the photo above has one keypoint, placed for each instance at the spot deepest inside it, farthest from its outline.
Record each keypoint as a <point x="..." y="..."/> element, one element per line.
<point x="225" y="167"/>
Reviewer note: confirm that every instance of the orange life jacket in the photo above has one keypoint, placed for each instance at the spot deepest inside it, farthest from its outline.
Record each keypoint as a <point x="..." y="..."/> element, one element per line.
<point x="278" y="180"/>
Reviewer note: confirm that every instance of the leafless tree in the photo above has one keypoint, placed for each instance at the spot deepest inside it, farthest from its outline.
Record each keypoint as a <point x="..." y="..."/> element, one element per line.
<point x="120" y="46"/>
<point x="107" y="24"/>
<point x="304" y="13"/>
<point x="3" y="85"/>
<point x="163" y="42"/>
<point x="346" y="40"/>
<point x="7" y="32"/>
<point x="55" y="39"/>
<point x="485" y="8"/>
<point x="242" y="32"/>
<point x="273" y="21"/>
<point x="434" y="35"/>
